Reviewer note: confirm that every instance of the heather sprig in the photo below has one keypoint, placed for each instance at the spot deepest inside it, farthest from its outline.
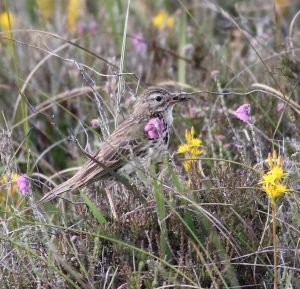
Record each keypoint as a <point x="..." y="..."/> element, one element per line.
<point x="13" y="184"/>
<point x="243" y="112"/>
<point x="154" y="128"/>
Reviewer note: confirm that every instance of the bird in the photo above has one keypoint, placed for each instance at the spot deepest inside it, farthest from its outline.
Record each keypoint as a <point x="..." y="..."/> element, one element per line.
<point x="144" y="135"/>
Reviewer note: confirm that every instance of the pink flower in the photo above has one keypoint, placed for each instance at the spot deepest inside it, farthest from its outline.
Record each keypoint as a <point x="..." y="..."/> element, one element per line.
<point x="95" y="123"/>
<point x="81" y="27"/>
<point x="243" y="112"/>
<point x="154" y="128"/>
<point x="215" y="73"/>
<point x="93" y="27"/>
<point x="193" y="111"/>
<point x="220" y="137"/>
<point x="130" y="100"/>
<point x="139" y="43"/>
<point x="280" y="106"/>
<point x="23" y="185"/>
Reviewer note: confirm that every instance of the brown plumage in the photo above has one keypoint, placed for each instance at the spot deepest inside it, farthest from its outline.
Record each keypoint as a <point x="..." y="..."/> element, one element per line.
<point x="128" y="144"/>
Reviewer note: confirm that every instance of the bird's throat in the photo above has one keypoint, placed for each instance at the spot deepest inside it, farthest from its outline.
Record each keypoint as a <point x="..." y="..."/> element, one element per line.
<point x="169" y="115"/>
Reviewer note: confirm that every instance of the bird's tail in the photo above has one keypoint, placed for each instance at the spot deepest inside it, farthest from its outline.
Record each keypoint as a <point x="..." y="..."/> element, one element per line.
<point x="67" y="186"/>
<point x="83" y="177"/>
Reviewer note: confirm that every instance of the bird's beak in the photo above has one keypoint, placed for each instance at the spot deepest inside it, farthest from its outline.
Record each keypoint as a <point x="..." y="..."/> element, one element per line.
<point x="180" y="97"/>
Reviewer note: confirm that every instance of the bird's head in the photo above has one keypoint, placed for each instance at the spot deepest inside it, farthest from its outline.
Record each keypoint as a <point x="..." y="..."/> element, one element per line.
<point x="156" y="100"/>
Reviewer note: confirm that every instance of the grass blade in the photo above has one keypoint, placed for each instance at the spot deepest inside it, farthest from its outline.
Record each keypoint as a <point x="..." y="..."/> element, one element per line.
<point x="95" y="211"/>
<point x="161" y="211"/>
<point x="182" y="43"/>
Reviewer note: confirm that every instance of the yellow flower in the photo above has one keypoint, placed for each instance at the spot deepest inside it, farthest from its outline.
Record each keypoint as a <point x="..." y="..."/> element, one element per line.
<point x="162" y="19"/>
<point x="46" y="7"/>
<point x="268" y="179"/>
<point x="7" y="22"/>
<point x="74" y="8"/>
<point x="281" y="5"/>
<point x="282" y="2"/>
<point x="170" y="22"/>
<point x="275" y="191"/>
<point x="272" y="180"/>
<point x="273" y="160"/>
<point x="192" y="144"/>
<point x="8" y="185"/>
<point x="277" y="172"/>
<point x="158" y="20"/>
<point x="191" y="149"/>
<point x="183" y="148"/>
<point x="187" y="165"/>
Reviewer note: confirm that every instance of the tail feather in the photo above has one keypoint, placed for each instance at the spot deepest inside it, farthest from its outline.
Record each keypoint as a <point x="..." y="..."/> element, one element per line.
<point x="83" y="177"/>
<point x="60" y="189"/>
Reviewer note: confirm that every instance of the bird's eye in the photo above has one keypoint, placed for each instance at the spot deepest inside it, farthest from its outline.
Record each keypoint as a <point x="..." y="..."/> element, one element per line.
<point x="158" y="98"/>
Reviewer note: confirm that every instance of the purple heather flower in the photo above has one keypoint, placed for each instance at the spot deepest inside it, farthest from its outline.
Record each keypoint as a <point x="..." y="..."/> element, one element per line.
<point x="243" y="112"/>
<point x="193" y="111"/>
<point x="214" y="73"/>
<point x="139" y="43"/>
<point x="23" y="185"/>
<point x="154" y="128"/>
<point x="220" y="137"/>
<point x="93" y="27"/>
<point x="130" y="100"/>
<point x="81" y="27"/>
<point x="95" y="123"/>
<point x="280" y="106"/>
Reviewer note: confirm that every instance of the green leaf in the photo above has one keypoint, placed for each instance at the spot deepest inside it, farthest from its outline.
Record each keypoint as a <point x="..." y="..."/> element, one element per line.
<point x="187" y="215"/>
<point x="161" y="212"/>
<point x="95" y="211"/>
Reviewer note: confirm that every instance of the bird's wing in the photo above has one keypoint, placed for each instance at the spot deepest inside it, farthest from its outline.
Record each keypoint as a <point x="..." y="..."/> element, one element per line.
<point x="124" y="142"/>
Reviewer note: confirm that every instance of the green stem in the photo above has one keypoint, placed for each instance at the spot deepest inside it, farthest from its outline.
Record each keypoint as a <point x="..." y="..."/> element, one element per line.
<point x="277" y="25"/>
<point x="182" y="43"/>
<point x="23" y="105"/>
<point x="274" y="243"/>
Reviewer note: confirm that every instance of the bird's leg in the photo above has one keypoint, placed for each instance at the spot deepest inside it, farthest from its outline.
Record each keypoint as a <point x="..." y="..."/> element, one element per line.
<point x="111" y="203"/>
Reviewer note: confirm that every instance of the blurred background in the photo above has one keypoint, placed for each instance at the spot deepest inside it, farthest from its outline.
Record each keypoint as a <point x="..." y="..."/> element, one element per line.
<point x="61" y="48"/>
